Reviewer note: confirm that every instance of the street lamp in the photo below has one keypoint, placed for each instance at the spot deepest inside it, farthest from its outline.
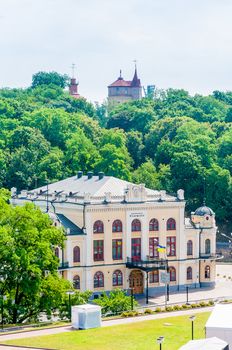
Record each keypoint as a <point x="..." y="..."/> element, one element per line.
<point x="69" y="293"/>
<point x="160" y="341"/>
<point x="192" y="319"/>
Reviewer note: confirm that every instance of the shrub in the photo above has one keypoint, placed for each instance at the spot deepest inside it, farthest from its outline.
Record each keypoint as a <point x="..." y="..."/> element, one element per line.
<point x="184" y="306"/>
<point x="169" y="308"/>
<point x="211" y="302"/>
<point x="148" y="311"/>
<point x="158" y="309"/>
<point x="203" y="303"/>
<point x="193" y="306"/>
<point x="176" y="307"/>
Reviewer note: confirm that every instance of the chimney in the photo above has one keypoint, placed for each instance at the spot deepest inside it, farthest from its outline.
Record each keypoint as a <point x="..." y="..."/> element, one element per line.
<point x="90" y="174"/>
<point x="79" y="174"/>
<point x="100" y="175"/>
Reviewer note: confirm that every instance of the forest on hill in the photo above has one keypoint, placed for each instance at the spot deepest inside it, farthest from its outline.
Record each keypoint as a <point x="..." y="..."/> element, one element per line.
<point x="168" y="141"/>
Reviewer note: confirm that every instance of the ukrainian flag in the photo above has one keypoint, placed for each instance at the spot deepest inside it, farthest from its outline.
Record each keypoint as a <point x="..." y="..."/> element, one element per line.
<point x="161" y="248"/>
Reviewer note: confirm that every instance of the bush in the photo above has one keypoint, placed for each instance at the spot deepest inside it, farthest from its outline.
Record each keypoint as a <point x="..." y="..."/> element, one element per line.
<point x="193" y="306"/>
<point x="116" y="302"/>
<point x="203" y="304"/>
<point x="176" y="307"/>
<point x="211" y="302"/>
<point x="184" y="306"/>
<point x="158" y="309"/>
<point x="168" y="308"/>
<point x="148" y="311"/>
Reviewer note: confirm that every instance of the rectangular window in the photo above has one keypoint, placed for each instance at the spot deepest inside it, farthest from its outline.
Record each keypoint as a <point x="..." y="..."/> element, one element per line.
<point x="153" y="243"/>
<point x="117" y="249"/>
<point x="154" y="276"/>
<point x="171" y="246"/>
<point x="136" y="248"/>
<point x="98" y="250"/>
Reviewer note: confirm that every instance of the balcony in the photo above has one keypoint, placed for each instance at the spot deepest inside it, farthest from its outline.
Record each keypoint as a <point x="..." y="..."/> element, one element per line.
<point x="211" y="256"/>
<point x="64" y="265"/>
<point x="149" y="264"/>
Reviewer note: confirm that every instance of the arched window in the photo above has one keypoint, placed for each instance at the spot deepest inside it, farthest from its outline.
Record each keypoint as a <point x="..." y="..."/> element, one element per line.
<point x="190" y="247"/>
<point x="171" y="224"/>
<point x="76" y="282"/>
<point x="189" y="273"/>
<point x="98" y="227"/>
<point x="172" y="272"/>
<point x="57" y="253"/>
<point x="117" y="226"/>
<point x="154" y="276"/>
<point x="117" y="278"/>
<point x="154" y="225"/>
<point x="207" y="246"/>
<point x="76" y="254"/>
<point x="136" y="225"/>
<point x="207" y="271"/>
<point x="98" y="279"/>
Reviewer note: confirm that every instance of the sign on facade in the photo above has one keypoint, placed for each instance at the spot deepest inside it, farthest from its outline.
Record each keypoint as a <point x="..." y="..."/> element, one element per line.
<point x="164" y="277"/>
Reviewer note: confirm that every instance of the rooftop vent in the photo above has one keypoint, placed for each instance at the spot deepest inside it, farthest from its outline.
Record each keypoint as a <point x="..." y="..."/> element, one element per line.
<point x="79" y="174"/>
<point x="100" y="175"/>
<point x="90" y="174"/>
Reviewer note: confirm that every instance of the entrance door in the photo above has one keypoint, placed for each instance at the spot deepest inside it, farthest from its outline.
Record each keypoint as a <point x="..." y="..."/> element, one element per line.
<point x="136" y="281"/>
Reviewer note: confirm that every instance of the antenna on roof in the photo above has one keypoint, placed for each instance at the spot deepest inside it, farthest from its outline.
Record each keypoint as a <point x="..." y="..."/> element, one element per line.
<point x="204" y="197"/>
<point x="73" y="66"/>
<point x="135" y="62"/>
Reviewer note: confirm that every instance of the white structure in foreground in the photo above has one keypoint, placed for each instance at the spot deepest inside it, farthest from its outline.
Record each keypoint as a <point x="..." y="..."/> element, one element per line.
<point x="219" y="323"/>
<point x="86" y="316"/>
<point x="206" y="344"/>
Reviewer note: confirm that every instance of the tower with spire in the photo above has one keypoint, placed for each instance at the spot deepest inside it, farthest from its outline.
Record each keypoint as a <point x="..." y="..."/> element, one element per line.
<point x="73" y="86"/>
<point x="125" y="90"/>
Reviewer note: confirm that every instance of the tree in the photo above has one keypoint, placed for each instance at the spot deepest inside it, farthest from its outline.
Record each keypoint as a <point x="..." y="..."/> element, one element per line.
<point x="47" y="78"/>
<point x="116" y="302"/>
<point x="147" y="174"/>
<point x="28" y="265"/>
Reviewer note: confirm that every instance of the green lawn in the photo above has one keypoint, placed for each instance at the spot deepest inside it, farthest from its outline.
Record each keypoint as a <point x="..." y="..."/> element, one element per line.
<point x="134" y="336"/>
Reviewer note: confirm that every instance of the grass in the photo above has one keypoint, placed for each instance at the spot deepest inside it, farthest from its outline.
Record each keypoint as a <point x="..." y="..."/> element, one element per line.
<point x="136" y="336"/>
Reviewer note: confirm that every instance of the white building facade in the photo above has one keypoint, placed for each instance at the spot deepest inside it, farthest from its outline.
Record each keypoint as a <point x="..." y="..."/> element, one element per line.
<point x="113" y="229"/>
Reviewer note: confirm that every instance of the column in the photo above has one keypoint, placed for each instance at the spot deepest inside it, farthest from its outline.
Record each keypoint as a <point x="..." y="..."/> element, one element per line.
<point x="144" y="237"/>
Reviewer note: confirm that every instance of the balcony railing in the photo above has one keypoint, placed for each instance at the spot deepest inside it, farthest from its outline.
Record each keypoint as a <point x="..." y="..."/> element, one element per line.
<point x="148" y="264"/>
<point x="64" y="265"/>
<point x="211" y="256"/>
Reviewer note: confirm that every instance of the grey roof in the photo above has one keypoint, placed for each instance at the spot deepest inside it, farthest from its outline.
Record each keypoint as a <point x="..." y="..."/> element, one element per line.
<point x="213" y="343"/>
<point x="95" y="187"/>
<point x="202" y="211"/>
<point x="68" y="224"/>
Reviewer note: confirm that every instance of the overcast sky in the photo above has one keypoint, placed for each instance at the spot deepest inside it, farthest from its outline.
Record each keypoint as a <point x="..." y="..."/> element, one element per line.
<point x="177" y="43"/>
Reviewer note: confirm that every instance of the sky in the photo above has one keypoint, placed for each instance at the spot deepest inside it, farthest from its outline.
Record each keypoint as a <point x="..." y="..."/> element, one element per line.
<point x="177" y="43"/>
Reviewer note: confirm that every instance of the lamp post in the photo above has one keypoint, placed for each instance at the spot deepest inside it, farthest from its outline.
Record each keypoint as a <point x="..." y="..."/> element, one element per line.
<point x="69" y="293"/>
<point x="132" y="298"/>
<point x="192" y="319"/>
<point x="160" y="341"/>
<point x="187" y="295"/>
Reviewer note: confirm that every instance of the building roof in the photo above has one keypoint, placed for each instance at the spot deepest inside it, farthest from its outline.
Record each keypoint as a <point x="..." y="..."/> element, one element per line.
<point x="69" y="226"/>
<point x="221" y="317"/>
<point x="213" y="343"/>
<point x="120" y="82"/>
<point x="202" y="211"/>
<point x="94" y="189"/>
<point x="135" y="81"/>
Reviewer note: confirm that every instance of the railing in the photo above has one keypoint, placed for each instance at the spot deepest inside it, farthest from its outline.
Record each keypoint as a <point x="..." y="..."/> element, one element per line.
<point x="64" y="265"/>
<point x="149" y="263"/>
<point x="212" y="256"/>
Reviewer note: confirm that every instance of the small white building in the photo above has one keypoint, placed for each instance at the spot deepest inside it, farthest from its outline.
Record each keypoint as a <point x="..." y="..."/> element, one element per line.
<point x="213" y="343"/>
<point x="219" y="323"/>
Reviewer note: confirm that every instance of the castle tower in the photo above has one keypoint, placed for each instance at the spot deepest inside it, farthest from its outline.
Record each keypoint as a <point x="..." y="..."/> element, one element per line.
<point x="73" y="86"/>
<point x="125" y="90"/>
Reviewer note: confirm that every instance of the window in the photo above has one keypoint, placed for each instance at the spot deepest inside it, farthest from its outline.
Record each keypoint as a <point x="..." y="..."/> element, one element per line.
<point x="153" y="243"/>
<point x="154" y="276"/>
<point x="98" y="227"/>
<point x="117" y="278"/>
<point x="154" y="225"/>
<point x="76" y="282"/>
<point x="76" y="254"/>
<point x="57" y="253"/>
<point x="136" y="249"/>
<point x="172" y="272"/>
<point x="117" y="249"/>
<point x="98" y="280"/>
<point x="136" y="225"/>
<point x="98" y="250"/>
<point x="171" y="246"/>
<point x="189" y="247"/>
<point x="207" y="271"/>
<point x="117" y="226"/>
<point x="207" y="246"/>
<point x="171" y="224"/>
<point x="189" y="273"/>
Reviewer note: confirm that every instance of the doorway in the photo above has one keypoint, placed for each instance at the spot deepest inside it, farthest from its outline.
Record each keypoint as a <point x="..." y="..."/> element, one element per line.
<point x="136" y="281"/>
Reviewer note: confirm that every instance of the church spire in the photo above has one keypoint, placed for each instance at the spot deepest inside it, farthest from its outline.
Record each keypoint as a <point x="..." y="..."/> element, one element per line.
<point x="135" y="81"/>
